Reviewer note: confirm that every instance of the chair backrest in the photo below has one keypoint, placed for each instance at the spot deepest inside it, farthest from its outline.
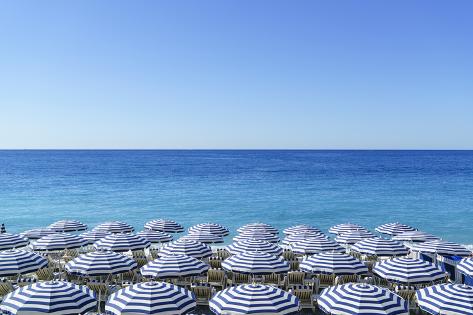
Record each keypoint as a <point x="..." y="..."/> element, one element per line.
<point x="294" y="264"/>
<point x="295" y="277"/>
<point x="303" y="292"/>
<point x="241" y="277"/>
<point x="45" y="274"/>
<point x="326" y="279"/>
<point x="202" y="291"/>
<point x="287" y="254"/>
<point x="215" y="262"/>
<point x="215" y="275"/>
<point x="5" y="287"/>
<point x="272" y="278"/>
<point x="346" y="279"/>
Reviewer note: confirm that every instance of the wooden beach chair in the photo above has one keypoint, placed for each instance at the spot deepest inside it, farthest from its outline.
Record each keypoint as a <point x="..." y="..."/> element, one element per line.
<point x="216" y="278"/>
<point x="288" y="255"/>
<point x="45" y="274"/>
<point x="294" y="264"/>
<point x="5" y="287"/>
<point x="325" y="280"/>
<point x="239" y="278"/>
<point x="342" y="279"/>
<point x="274" y="279"/>
<point x="305" y="294"/>
<point x="222" y="253"/>
<point x="215" y="262"/>
<point x="294" y="278"/>
<point x="408" y="293"/>
<point x="203" y="293"/>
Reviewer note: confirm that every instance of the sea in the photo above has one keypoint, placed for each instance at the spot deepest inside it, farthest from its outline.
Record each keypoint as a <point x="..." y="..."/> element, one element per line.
<point x="430" y="190"/>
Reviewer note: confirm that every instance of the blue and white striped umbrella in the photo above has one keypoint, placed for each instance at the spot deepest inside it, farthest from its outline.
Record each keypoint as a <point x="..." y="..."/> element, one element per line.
<point x="349" y="238"/>
<point x="52" y="297"/>
<point x="94" y="236"/>
<point x="174" y="266"/>
<point x="257" y="235"/>
<point x="296" y="237"/>
<point x="122" y="242"/>
<point x="203" y="237"/>
<point x="262" y="227"/>
<point x="114" y="227"/>
<point x="345" y="228"/>
<point x="415" y="236"/>
<point x="442" y="248"/>
<point x="151" y="298"/>
<point x="58" y="242"/>
<point x="256" y="263"/>
<point x="408" y="270"/>
<point x="380" y="247"/>
<point x="394" y="228"/>
<point x="156" y="237"/>
<point x="446" y="299"/>
<point x="163" y="225"/>
<point x="301" y="228"/>
<point x="252" y="245"/>
<point x="213" y="228"/>
<point x="100" y="263"/>
<point x="361" y="298"/>
<point x="35" y="234"/>
<point x="465" y="266"/>
<point x="186" y="247"/>
<point x="17" y="262"/>
<point x="333" y="263"/>
<point x="315" y="246"/>
<point x="68" y="226"/>
<point x="9" y="241"/>
<point x="254" y="299"/>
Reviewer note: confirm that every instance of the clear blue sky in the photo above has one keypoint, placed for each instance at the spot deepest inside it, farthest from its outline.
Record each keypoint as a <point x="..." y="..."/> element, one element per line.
<point x="236" y="74"/>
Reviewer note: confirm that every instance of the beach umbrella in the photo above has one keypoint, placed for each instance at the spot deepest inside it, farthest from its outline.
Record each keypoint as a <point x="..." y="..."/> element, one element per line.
<point x="213" y="228"/>
<point x="350" y="238"/>
<point x="301" y="228"/>
<point x="115" y="227"/>
<point x="18" y="262"/>
<point x="394" y="228"/>
<point x="465" y="266"/>
<point x="263" y="227"/>
<point x="100" y="263"/>
<point x="93" y="236"/>
<point x="203" y="237"/>
<point x="255" y="263"/>
<point x="333" y="263"/>
<point x="252" y="245"/>
<point x="52" y="297"/>
<point x="254" y="299"/>
<point x="122" y="242"/>
<point x="155" y="237"/>
<point x="296" y="237"/>
<point x="408" y="270"/>
<point x="380" y="247"/>
<point x="415" y="236"/>
<point x="35" y="234"/>
<point x="186" y="247"/>
<point x="9" y="241"/>
<point x="315" y="246"/>
<point x="361" y="298"/>
<point x="345" y="228"/>
<point x="163" y="225"/>
<point x="174" y="266"/>
<point x="67" y="226"/>
<point x="151" y="298"/>
<point x="257" y="235"/>
<point x="442" y="248"/>
<point x="446" y="299"/>
<point x="58" y="242"/>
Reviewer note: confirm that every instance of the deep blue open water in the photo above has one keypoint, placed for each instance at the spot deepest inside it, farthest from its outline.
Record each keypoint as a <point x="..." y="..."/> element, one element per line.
<point x="431" y="190"/>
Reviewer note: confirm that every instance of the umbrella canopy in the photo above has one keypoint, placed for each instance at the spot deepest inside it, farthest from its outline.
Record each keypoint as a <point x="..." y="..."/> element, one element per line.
<point x="415" y="236"/>
<point x="252" y="245"/>
<point x="52" y="297"/>
<point x="256" y="263"/>
<point x="345" y="228"/>
<point x="35" y="234"/>
<point x="17" y="262"/>
<point x="315" y="246"/>
<point x="465" y="266"/>
<point x="156" y="237"/>
<point x="257" y="235"/>
<point x="301" y="228"/>
<point x="442" y="299"/>
<point x="186" y="247"/>
<point x="263" y="227"/>
<point x="380" y="247"/>
<point x="349" y="238"/>
<point x="9" y="241"/>
<point x="394" y="228"/>
<point x="163" y="225"/>
<point x="174" y="266"/>
<point x="122" y="242"/>
<point x="213" y="228"/>
<point x="408" y="270"/>
<point x="115" y="227"/>
<point x="254" y="299"/>
<point x="203" y="237"/>
<point x="58" y="242"/>
<point x="361" y="298"/>
<point x="100" y="263"/>
<point x="67" y="226"/>
<point x="151" y="298"/>
<point x="442" y="248"/>
<point x="93" y="236"/>
<point x="333" y="263"/>
<point x="302" y="236"/>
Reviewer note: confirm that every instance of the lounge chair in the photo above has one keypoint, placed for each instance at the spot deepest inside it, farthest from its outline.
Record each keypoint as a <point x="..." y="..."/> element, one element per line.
<point x="408" y="293"/>
<point x="294" y="264"/>
<point x="203" y="293"/>
<point x="5" y="287"/>
<point x="325" y="280"/>
<point x="342" y="279"/>
<point x="294" y="278"/>
<point x="239" y="278"/>
<point x="216" y="278"/>
<point x="305" y="294"/>
<point x="45" y="274"/>
<point x="274" y="279"/>
<point x="288" y="254"/>
<point x="215" y="262"/>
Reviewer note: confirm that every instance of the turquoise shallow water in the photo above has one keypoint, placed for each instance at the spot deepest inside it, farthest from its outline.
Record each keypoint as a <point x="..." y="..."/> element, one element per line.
<point x="431" y="190"/>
